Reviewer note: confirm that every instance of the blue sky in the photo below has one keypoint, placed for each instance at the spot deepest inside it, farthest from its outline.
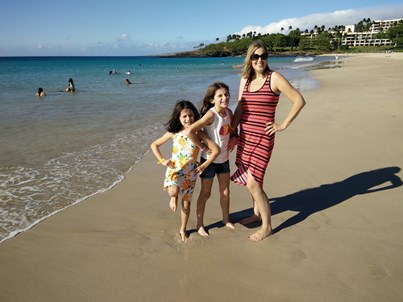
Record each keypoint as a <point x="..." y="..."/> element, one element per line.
<point x="139" y="27"/>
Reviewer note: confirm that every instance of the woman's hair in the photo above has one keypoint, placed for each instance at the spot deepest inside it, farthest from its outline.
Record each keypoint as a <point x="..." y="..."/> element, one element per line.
<point x="209" y="96"/>
<point x="174" y="124"/>
<point x="248" y="71"/>
<point x="40" y="90"/>
<point x="70" y="80"/>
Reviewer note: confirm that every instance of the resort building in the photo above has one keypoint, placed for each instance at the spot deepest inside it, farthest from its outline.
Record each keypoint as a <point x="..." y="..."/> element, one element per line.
<point x="352" y="38"/>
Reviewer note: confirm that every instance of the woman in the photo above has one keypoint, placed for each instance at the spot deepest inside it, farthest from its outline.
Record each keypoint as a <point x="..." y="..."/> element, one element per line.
<point x="40" y="92"/>
<point x="259" y="92"/>
<point x="70" y="86"/>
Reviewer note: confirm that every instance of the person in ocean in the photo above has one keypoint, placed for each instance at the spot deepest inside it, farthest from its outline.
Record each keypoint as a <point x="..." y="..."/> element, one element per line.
<point x="216" y="123"/>
<point x="70" y="86"/>
<point x="40" y="92"/>
<point x="182" y="166"/>
<point x="259" y="93"/>
<point x="127" y="82"/>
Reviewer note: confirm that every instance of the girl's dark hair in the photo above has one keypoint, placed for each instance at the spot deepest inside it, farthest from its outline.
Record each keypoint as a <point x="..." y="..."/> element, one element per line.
<point x="174" y="124"/>
<point x="209" y="96"/>
<point x="40" y="90"/>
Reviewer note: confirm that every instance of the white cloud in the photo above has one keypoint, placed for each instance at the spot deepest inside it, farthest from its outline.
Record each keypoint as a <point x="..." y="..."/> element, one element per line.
<point x="43" y="46"/>
<point x="123" y="37"/>
<point x="342" y="17"/>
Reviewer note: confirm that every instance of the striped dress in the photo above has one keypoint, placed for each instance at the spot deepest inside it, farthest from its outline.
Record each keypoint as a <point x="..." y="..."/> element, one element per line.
<point x="254" y="145"/>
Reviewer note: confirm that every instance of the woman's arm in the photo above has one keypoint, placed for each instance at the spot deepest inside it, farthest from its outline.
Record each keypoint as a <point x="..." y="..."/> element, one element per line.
<point x="281" y="85"/>
<point x="233" y="134"/>
<point x="238" y="109"/>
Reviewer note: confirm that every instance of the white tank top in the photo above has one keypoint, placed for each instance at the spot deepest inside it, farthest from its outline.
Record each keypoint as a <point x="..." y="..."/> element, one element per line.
<point x="219" y="132"/>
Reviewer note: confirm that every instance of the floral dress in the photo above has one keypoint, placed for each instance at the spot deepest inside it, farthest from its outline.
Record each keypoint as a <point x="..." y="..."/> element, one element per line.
<point x="184" y="156"/>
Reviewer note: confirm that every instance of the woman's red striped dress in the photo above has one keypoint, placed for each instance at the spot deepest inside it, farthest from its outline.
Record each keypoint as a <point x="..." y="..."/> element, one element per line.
<point x="254" y="145"/>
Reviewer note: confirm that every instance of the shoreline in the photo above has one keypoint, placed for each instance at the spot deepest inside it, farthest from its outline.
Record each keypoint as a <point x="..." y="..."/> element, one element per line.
<point x="334" y="187"/>
<point x="306" y="83"/>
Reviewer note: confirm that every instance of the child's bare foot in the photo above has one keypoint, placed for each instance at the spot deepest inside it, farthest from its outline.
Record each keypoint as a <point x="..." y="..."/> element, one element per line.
<point x="173" y="203"/>
<point x="250" y="219"/>
<point x="184" y="235"/>
<point x="261" y="234"/>
<point x="229" y="225"/>
<point x="202" y="232"/>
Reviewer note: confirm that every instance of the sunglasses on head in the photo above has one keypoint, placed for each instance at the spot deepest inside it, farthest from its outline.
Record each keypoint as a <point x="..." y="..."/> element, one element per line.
<point x="256" y="57"/>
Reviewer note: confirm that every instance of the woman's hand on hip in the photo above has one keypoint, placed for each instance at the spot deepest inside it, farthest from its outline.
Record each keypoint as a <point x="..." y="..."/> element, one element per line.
<point x="272" y="128"/>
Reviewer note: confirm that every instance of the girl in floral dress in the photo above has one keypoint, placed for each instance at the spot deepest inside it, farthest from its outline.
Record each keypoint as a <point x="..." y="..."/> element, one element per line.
<point x="182" y="167"/>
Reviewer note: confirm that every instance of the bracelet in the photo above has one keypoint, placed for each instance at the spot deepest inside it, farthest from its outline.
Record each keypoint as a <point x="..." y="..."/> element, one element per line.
<point x="161" y="161"/>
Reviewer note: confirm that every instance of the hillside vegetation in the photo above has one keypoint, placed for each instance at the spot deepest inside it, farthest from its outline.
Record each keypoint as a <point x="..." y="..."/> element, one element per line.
<point x="317" y="41"/>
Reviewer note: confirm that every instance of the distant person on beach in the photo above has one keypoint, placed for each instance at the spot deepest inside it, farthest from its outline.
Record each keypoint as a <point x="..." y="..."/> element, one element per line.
<point x="70" y="86"/>
<point x="127" y="82"/>
<point x="182" y="167"/>
<point x="216" y="123"/>
<point x="259" y="92"/>
<point x="40" y="92"/>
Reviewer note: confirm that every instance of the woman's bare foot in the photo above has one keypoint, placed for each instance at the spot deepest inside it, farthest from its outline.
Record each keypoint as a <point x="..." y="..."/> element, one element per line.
<point x="261" y="234"/>
<point x="229" y="225"/>
<point x="250" y="219"/>
<point x="202" y="232"/>
<point x="184" y="235"/>
<point x="173" y="203"/>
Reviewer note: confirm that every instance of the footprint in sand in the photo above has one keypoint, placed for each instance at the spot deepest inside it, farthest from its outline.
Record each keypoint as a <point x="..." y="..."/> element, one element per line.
<point x="377" y="271"/>
<point x="298" y="255"/>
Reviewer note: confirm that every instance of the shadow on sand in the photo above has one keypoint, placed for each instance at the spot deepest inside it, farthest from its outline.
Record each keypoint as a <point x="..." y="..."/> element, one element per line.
<point x="313" y="200"/>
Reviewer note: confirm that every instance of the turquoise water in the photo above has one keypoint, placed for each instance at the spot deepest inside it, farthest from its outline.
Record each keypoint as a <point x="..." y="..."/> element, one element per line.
<point x="58" y="150"/>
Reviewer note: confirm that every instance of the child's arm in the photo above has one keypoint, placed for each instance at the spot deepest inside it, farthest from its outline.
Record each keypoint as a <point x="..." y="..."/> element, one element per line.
<point x="190" y="132"/>
<point x="215" y="151"/>
<point x="155" y="147"/>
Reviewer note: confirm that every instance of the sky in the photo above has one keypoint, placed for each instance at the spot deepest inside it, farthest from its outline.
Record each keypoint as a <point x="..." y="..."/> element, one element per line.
<point x="140" y="27"/>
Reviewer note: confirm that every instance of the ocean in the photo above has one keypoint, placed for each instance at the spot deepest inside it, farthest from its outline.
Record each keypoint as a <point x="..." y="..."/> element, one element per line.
<point x="58" y="150"/>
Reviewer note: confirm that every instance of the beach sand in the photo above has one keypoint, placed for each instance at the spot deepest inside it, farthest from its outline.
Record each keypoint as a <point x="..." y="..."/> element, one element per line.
<point x="335" y="185"/>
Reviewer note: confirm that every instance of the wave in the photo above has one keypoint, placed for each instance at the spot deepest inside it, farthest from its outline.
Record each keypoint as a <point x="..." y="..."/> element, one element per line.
<point x="304" y="59"/>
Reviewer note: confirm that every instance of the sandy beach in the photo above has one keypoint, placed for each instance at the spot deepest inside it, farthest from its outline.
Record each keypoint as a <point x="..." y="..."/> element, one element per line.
<point x="335" y="185"/>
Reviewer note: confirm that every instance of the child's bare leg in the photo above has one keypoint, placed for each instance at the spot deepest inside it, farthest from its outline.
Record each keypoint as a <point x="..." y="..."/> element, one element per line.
<point x="205" y="192"/>
<point x="223" y="183"/>
<point x="185" y="213"/>
<point x="173" y="192"/>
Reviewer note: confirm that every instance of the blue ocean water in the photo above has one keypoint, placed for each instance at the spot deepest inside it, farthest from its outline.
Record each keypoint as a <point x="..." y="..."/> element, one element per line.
<point x="60" y="149"/>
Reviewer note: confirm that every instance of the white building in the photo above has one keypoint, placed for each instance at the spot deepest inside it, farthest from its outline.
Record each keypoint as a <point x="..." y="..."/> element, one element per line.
<point x="353" y="38"/>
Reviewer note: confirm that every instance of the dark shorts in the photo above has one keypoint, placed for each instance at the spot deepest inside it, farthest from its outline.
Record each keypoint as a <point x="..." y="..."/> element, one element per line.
<point x="214" y="169"/>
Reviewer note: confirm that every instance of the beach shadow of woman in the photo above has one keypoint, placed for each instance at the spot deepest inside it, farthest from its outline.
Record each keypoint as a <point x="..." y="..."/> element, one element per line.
<point x="313" y="200"/>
